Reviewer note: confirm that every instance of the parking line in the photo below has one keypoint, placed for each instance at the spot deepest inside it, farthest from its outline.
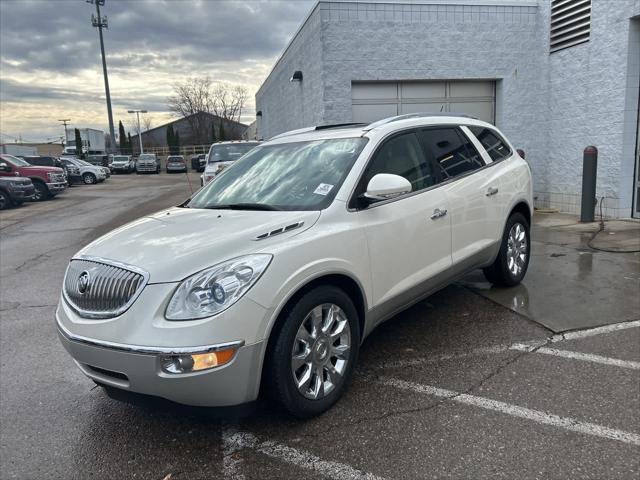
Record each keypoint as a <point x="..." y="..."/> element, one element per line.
<point x="595" y="331"/>
<point x="586" y="357"/>
<point x="537" y="416"/>
<point x="234" y="441"/>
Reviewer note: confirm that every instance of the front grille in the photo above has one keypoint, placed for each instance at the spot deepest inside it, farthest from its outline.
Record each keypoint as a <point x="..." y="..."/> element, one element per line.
<point x="102" y="290"/>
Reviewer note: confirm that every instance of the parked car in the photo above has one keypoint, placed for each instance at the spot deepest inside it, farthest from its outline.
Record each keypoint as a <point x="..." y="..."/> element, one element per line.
<point x="14" y="191"/>
<point x="90" y="174"/>
<point x="295" y="254"/>
<point x="122" y="164"/>
<point x="47" y="181"/>
<point x="176" y="163"/>
<point x="223" y="154"/>
<point x="198" y="162"/>
<point x="147" y="163"/>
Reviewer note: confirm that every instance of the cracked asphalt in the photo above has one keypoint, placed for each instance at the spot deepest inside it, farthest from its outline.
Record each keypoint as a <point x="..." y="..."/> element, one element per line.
<point x="458" y="386"/>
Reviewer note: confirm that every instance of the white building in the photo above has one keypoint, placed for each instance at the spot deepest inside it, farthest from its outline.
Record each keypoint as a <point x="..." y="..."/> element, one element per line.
<point x="554" y="75"/>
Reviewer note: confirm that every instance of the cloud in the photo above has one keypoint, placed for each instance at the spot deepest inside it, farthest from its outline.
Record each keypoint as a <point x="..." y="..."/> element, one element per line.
<point x="50" y="57"/>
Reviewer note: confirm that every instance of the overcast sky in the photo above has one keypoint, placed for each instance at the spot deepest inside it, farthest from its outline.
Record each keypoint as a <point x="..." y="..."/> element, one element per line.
<point x="50" y="65"/>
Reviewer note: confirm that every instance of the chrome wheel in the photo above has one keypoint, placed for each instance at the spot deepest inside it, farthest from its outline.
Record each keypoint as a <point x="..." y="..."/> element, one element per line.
<point x="517" y="249"/>
<point x="321" y="351"/>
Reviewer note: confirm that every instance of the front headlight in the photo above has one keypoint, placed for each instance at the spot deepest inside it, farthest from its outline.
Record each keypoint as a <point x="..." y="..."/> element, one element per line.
<point x="215" y="289"/>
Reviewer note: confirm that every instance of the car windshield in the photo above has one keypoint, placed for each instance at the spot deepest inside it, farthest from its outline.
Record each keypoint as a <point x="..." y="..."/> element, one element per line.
<point x="147" y="156"/>
<point x="229" y="152"/>
<point x="16" y="161"/>
<point x="175" y="159"/>
<point x="83" y="162"/>
<point x="286" y="176"/>
<point x="120" y="159"/>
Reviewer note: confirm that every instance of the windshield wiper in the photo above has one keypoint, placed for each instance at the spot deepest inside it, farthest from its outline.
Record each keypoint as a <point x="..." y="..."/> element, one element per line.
<point x="243" y="206"/>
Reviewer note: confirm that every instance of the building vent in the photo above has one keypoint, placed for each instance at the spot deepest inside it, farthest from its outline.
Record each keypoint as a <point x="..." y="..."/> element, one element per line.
<point x="570" y="23"/>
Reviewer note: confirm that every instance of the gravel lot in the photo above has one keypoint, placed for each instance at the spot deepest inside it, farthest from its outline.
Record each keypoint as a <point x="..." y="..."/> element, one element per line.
<point x="459" y="386"/>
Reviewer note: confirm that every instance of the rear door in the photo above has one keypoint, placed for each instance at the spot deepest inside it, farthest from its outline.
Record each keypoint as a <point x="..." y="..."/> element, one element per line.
<point x="471" y="189"/>
<point x="408" y="245"/>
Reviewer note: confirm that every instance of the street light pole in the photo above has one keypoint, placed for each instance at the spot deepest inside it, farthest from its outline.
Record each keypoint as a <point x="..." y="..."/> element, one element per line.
<point x="101" y="22"/>
<point x="138" y="112"/>
<point x="64" y="122"/>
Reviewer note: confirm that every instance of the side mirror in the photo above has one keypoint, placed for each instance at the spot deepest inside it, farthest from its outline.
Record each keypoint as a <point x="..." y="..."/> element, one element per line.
<point x="386" y="185"/>
<point x="4" y="167"/>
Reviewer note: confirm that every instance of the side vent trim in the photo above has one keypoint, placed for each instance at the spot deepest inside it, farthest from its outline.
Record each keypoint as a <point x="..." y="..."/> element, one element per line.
<point x="278" y="231"/>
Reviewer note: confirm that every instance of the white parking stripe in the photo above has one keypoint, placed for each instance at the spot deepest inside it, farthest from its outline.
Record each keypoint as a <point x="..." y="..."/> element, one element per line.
<point x="586" y="357"/>
<point x="595" y="331"/>
<point x="235" y="441"/>
<point x="516" y="411"/>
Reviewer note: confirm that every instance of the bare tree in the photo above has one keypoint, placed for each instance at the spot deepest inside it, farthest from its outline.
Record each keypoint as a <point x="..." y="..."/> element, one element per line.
<point x="147" y="121"/>
<point x="201" y="94"/>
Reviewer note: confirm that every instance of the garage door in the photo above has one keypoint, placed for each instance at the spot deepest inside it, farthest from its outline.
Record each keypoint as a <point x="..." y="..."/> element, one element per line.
<point x="372" y="101"/>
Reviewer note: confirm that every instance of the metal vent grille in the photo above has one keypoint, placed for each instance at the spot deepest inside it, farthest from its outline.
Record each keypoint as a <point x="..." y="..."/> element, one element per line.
<point x="570" y="23"/>
<point x="102" y="289"/>
<point x="278" y="231"/>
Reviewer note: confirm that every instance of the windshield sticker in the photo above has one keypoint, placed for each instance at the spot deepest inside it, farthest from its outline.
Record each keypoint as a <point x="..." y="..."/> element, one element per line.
<point x="323" y="189"/>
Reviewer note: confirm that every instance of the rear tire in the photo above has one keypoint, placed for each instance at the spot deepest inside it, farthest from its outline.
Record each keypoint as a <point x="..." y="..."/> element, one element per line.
<point x="320" y="335"/>
<point x="41" y="191"/>
<point x="512" y="262"/>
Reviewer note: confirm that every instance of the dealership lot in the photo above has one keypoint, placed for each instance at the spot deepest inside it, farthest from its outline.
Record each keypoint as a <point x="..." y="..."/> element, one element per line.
<point x="467" y="384"/>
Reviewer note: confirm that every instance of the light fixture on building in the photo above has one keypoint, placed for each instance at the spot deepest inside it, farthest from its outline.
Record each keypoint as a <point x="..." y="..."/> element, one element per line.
<point x="296" y="77"/>
<point x="259" y="113"/>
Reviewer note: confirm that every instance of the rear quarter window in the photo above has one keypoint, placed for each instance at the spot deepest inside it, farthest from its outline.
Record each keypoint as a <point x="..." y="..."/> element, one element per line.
<point x="492" y="142"/>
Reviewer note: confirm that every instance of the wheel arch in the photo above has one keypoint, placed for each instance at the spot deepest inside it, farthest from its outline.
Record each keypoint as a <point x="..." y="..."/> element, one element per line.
<point x="345" y="282"/>
<point x="523" y="208"/>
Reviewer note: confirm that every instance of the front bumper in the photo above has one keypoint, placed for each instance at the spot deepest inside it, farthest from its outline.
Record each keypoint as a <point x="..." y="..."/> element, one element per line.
<point x="177" y="168"/>
<point x="147" y="168"/>
<point x="57" y="187"/>
<point x="23" y="194"/>
<point x="138" y="370"/>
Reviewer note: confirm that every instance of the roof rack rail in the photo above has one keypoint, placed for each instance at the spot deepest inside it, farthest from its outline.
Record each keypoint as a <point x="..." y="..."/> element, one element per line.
<point x="384" y="121"/>
<point x="317" y="127"/>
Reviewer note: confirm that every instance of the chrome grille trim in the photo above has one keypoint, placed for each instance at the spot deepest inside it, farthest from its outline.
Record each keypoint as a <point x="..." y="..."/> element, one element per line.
<point x="114" y="288"/>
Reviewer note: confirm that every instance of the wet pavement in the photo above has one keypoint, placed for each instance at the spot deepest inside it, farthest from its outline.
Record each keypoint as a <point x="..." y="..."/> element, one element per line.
<point x="458" y="386"/>
<point x="570" y="285"/>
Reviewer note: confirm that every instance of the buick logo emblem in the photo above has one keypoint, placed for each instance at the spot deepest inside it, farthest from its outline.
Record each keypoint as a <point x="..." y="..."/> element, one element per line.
<point x="84" y="282"/>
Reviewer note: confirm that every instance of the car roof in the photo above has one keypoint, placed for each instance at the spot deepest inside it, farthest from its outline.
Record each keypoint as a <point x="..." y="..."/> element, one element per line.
<point x="380" y="127"/>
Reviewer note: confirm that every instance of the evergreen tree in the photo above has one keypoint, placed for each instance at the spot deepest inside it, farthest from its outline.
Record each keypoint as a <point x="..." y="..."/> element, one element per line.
<point x="122" y="137"/>
<point x="176" y="143"/>
<point x="171" y="138"/>
<point x="221" y="136"/>
<point x="129" y="143"/>
<point x="78" y="143"/>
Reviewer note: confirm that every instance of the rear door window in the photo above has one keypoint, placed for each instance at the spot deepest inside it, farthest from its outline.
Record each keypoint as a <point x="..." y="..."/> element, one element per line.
<point x="492" y="142"/>
<point x="451" y="151"/>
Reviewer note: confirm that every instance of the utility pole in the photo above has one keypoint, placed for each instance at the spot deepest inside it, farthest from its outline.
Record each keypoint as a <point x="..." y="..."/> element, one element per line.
<point x="138" y="112"/>
<point x="101" y="22"/>
<point x="64" y="122"/>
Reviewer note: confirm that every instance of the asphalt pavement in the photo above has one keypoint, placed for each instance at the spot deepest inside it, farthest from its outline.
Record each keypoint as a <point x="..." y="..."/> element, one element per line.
<point x="467" y="384"/>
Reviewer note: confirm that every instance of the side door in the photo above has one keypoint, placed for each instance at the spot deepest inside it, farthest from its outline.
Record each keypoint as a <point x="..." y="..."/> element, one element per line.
<point x="408" y="245"/>
<point x="472" y="193"/>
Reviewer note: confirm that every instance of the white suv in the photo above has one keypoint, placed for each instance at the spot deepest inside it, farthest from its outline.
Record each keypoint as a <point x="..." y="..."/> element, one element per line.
<point x="278" y="270"/>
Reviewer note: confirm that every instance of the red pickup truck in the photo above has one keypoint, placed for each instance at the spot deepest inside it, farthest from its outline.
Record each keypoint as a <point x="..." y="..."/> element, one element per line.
<point x="48" y="181"/>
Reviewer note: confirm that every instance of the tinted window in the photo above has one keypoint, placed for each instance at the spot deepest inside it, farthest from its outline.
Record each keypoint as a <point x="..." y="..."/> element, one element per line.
<point x="401" y="155"/>
<point x="451" y="151"/>
<point x="495" y="146"/>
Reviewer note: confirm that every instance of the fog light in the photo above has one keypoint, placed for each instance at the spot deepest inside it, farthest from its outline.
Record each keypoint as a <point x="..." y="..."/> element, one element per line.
<point x="197" y="361"/>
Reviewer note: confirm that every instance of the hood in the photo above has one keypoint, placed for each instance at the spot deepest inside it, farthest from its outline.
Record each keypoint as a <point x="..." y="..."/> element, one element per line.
<point x="38" y="168"/>
<point x="178" y="242"/>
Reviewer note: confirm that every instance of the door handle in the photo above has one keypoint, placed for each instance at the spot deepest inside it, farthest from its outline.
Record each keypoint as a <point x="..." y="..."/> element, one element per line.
<point x="491" y="191"/>
<point x="437" y="213"/>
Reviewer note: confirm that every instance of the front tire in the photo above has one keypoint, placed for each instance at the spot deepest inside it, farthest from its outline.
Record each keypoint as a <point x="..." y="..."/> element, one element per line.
<point x="89" y="178"/>
<point x="512" y="262"/>
<point x="5" y="200"/>
<point x="314" y="352"/>
<point x="41" y="191"/>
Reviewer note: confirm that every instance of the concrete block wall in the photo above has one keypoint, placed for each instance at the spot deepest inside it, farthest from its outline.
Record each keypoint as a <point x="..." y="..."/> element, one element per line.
<point x="551" y="105"/>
